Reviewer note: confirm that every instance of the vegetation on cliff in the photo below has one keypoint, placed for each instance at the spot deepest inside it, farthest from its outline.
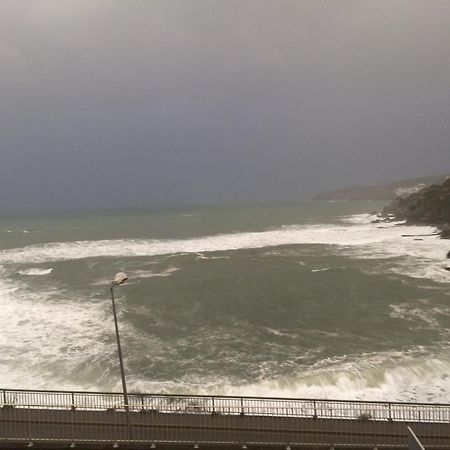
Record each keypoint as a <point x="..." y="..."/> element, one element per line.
<point x="430" y="206"/>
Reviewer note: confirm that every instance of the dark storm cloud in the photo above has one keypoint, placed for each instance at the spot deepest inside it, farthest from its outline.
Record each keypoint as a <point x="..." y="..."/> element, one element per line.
<point x="109" y="103"/>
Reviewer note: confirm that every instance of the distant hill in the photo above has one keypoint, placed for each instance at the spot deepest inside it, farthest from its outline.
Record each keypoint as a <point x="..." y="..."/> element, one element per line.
<point x="382" y="191"/>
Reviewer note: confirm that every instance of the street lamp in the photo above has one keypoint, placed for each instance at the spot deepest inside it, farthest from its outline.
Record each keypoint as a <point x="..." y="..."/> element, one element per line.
<point x="119" y="279"/>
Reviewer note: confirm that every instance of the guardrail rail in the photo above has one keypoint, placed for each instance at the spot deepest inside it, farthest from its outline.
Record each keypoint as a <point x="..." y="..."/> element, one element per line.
<point x="154" y="419"/>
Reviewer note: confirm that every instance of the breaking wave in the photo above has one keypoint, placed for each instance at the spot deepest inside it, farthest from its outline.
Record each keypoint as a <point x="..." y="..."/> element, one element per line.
<point x="357" y="236"/>
<point x="384" y="377"/>
<point x="35" y="271"/>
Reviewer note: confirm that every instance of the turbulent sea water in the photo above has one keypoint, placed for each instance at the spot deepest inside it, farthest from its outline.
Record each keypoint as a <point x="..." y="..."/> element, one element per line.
<point x="312" y="300"/>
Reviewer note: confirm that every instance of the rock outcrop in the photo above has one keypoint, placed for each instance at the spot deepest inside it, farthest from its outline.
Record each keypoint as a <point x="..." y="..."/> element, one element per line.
<point x="429" y="206"/>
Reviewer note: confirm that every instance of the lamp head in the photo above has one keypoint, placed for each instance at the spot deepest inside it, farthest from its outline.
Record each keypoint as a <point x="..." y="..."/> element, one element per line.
<point x="120" y="278"/>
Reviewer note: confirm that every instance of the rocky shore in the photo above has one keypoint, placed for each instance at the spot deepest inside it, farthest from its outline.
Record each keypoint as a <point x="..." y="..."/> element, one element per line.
<point x="428" y="206"/>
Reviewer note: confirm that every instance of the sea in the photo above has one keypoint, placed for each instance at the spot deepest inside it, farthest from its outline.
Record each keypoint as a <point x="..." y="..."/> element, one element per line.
<point x="312" y="300"/>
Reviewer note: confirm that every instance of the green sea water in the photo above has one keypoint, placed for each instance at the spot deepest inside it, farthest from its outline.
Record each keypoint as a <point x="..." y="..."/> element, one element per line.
<point x="307" y="300"/>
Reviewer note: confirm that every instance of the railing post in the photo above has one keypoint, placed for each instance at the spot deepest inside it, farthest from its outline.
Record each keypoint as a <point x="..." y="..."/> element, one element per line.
<point x="315" y="410"/>
<point x="242" y="407"/>
<point x="390" y="412"/>
<point x="72" y="420"/>
<point x="29" y="425"/>
<point x="213" y="405"/>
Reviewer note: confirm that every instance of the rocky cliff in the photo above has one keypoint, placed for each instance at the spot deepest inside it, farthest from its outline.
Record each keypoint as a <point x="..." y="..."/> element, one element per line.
<point x="380" y="192"/>
<point x="430" y="206"/>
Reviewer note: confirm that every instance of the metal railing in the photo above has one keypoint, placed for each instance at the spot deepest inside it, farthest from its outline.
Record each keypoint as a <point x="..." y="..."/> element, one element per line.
<point x="228" y="405"/>
<point x="69" y="417"/>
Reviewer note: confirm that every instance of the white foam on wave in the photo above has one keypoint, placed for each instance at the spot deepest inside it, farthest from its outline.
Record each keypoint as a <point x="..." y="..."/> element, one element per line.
<point x="360" y="239"/>
<point x="423" y="311"/>
<point x="418" y="381"/>
<point x="48" y="337"/>
<point x="362" y="219"/>
<point x="389" y="377"/>
<point x="202" y="256"/>
<point x="151" y="274"/>
<point x="137" y="274"/>
<point x="33" y="271"/>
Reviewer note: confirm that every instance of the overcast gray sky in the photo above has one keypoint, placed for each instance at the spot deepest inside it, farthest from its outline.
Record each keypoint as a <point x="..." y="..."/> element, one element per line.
<point x="179" y="102"/>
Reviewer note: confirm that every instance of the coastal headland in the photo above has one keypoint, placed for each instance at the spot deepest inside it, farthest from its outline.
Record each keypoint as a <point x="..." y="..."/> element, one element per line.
<point x="428" y="206"/>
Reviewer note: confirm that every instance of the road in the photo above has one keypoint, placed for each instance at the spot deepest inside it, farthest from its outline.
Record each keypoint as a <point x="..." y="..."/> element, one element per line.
<point x="56" y="428"/>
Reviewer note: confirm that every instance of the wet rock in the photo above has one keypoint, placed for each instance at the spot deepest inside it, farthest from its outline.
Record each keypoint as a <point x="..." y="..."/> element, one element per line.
<point x="429" y="206"/>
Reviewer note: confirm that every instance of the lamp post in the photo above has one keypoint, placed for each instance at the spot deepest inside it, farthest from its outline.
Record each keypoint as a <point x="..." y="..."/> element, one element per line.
<point x="119" y="279"/>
